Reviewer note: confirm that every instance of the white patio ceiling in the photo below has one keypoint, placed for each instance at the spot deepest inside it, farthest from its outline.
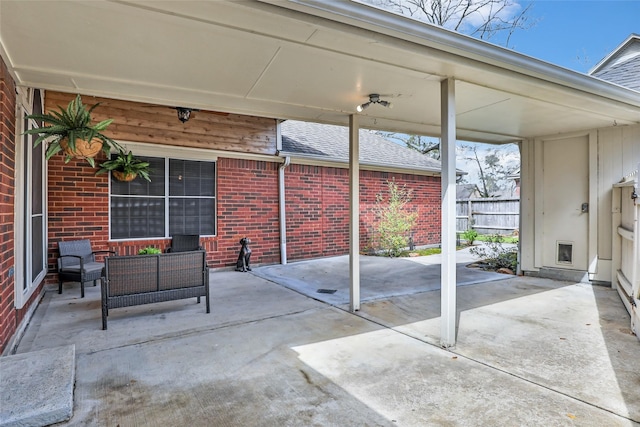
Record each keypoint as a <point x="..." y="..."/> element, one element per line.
<point x="306" y="60"/>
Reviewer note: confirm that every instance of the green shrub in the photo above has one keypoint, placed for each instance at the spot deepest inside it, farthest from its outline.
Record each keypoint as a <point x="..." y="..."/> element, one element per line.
<point x="495" y="238"/>
<point x="470" y="236"/>
<point x="149" y="251"/>
<point x="495" y="255"/>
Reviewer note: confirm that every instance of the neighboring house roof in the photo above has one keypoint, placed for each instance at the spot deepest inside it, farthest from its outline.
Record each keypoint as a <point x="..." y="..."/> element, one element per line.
<point x="467" y="191"/>
<point x="330" y="143"/>
<point x="622" y="66"/>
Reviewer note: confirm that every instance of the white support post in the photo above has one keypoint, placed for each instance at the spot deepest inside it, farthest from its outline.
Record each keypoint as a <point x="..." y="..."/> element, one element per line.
<point x="354" y="213"/>
<point x="448" y="309"/>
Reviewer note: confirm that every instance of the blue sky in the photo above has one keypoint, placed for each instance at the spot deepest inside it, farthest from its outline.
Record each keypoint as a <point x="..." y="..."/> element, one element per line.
<point x="577" y="34"/>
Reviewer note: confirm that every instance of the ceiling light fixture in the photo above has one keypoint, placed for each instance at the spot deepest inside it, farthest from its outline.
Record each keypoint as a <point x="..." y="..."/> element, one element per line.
<point x="374" y="98"/>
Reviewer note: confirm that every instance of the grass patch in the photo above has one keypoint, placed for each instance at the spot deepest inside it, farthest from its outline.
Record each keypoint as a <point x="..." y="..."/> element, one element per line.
<point x="492" y="238"/>
<point x="424" y="252"/>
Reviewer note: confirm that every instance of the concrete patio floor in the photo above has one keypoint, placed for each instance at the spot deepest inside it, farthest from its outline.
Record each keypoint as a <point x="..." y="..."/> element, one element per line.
<point x="530" y="352"/>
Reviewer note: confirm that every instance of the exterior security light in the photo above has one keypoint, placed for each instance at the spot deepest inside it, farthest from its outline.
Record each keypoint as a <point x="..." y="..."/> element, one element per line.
<point x="183" y="114"/>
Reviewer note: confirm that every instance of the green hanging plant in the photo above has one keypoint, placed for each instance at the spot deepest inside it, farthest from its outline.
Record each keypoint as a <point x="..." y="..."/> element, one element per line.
<point x="125" y="167"/>
<point x="70" y="130"/>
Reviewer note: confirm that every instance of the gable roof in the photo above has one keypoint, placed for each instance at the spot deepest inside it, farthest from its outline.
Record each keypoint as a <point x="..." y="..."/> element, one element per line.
<point x="622" y="66"/>
<point x="330" y="143"/>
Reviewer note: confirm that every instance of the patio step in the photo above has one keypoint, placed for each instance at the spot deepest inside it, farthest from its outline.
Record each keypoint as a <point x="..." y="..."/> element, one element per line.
<point x="37" y="387"/>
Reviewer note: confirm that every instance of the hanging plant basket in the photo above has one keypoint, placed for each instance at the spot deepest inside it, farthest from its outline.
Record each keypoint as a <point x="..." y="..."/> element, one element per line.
<point x="70" y="130"/>
<point x="125" y="177"/>
<point x="124" y="166"/>
<point x="83" y="149"/>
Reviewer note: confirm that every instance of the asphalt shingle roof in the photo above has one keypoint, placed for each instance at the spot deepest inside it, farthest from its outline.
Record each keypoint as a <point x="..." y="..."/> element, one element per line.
<point x="330" y="142"/>
<point x="623" y="67"/>
<point x="625" y="74"/>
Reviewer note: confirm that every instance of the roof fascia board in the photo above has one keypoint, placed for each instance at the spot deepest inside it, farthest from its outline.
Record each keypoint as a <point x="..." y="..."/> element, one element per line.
<point x="381" y="21"/>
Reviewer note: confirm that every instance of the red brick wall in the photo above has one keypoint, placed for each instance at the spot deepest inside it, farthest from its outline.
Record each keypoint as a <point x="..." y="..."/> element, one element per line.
<point x="9" y="317"/>
<point x="78" y="203"/>
<point x="317" y="204"/>
<point x="247" y="206"/>
<point x="316" y="200"/>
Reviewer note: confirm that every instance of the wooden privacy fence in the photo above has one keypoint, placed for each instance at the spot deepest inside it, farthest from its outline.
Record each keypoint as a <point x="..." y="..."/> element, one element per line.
<point x="625" y="254"/>
<point x="488" y="216"/>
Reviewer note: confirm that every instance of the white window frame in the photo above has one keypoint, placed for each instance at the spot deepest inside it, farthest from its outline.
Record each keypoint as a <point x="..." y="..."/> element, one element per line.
<point x="167" y="152"/>
<point x="23" y="290"/>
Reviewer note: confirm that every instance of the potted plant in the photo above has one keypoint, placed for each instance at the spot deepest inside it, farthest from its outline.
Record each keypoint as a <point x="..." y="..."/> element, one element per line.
<point x="149" y="250"/>
<point x="125" y="167"/>
<point x="70" y="130"/>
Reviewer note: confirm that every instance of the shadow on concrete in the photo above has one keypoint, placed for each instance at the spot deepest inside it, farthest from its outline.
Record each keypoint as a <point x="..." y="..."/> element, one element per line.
<point x="570" y="338"/>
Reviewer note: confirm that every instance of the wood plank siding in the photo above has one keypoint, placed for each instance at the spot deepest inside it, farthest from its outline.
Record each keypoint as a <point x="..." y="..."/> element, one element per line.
<point x="159" y="124"/>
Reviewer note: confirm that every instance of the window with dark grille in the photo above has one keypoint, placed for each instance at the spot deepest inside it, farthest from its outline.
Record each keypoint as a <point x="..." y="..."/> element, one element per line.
<point x="180" y="199"/>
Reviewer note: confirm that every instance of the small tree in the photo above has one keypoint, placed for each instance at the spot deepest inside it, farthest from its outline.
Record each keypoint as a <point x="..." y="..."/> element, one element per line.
<point x="494" y="169"/>
<point x="395" y="221"/>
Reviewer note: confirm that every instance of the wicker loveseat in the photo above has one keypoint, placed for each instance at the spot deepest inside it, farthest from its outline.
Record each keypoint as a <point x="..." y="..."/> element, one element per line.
<point x="146" y="279"/>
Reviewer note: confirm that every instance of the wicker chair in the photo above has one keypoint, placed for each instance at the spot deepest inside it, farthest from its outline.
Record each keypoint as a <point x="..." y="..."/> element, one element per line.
<point x="185" y="243"/>
<point x="77" y="263"/>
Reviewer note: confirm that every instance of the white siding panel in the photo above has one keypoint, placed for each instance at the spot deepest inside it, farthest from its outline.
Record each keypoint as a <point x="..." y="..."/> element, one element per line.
<point x="609" y="172"/>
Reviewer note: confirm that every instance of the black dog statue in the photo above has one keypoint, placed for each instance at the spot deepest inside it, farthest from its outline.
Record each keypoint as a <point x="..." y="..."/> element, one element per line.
<point x="244" y="257"/>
